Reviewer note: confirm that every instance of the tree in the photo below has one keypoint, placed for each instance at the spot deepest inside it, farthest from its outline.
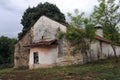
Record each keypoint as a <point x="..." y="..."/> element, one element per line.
<point x="31" y="15"/>
<point x="107" y="14"/>
<point x="77" y="20"/>
<point x="81" y="33"/>
<point x="83" y="23"/>
<point x="7" y="50"/>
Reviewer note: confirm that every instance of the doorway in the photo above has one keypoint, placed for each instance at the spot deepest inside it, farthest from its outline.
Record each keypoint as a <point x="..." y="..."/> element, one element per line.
<point x="36" y="58"/>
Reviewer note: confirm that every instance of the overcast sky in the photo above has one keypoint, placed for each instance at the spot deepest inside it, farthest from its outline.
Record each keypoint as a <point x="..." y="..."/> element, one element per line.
<point x="11" y="12"/>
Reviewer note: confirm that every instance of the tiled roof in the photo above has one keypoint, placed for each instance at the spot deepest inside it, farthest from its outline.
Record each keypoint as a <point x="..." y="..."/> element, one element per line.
<point x="102" y="39"/>
<point x="52" y="42"/>
<point x="42" y="43"/>
<point x="98" y="26"/>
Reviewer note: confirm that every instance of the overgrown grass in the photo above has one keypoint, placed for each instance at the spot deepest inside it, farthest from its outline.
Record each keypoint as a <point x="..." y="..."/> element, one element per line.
<point x="6" y="70"/>
<point x="98" y="70"/>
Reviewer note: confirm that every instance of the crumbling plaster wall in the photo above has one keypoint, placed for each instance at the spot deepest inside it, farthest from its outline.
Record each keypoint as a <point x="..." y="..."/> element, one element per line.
<point x="21" y="53"/>
<point x="102" y="50"/>
<point x="70" y="59"/>
<point x="47" y="56"/>
<point x="118" y="50"/>
<point x="46" y="29"/>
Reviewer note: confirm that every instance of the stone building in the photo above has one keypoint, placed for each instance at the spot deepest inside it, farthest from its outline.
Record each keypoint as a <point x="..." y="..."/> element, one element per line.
<point x="40" y="48"/>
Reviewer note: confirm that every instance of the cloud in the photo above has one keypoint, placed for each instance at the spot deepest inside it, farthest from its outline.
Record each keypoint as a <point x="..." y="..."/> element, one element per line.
<point x="10" y="18"/>
<point x="12" y="11"/>
<point x="9" y="23"/>
<point x="4" y="5"/>
<point x="12" y="5"/>
<point x="69" y="5"/>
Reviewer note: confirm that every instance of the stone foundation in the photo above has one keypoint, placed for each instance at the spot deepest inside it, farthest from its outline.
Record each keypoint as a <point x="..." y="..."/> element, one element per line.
<point x="36" y="66"/>
<point x="69" y="60"/>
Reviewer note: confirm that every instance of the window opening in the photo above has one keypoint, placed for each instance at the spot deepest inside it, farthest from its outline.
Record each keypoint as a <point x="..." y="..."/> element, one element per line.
<point x="36" y="58"/>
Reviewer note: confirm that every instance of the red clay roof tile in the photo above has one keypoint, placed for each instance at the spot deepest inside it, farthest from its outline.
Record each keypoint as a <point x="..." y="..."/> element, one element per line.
<point x="42" y="43"/>
<point x="102" y="39"/>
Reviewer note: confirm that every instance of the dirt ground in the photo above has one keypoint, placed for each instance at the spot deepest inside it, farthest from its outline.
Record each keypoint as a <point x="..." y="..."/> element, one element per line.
<point x="31" y="75"/>
<point x="100" y="70"/>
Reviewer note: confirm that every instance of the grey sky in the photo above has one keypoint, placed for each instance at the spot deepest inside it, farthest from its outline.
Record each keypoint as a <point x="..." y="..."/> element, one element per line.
<point x="11" y="12"/>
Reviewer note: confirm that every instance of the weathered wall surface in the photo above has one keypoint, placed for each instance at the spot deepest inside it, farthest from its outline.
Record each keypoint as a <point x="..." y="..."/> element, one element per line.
<point x="99" y="32"/>
<point x="107" y="50"/>
<point x="95" y="51"/>
<point x="47" y="57"/>
<point x="62" y="47"/>
<point x="118" y="50"/>
<point x="69" y="60"/>
<point x="46" y="29"/>
<point x="102" y="50"/>
<point x="21" y="54"/>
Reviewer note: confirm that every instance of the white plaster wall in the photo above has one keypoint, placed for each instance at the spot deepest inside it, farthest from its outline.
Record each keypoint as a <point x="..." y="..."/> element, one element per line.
<point x="95" y="48"/>
<point x="118" y="50"/>
<point x="47" y="56"/>
<point x="99" y="32"/>
<point x="97" y="53"/>
<point x="107" y="49"/>
<point x="47" y="28"/>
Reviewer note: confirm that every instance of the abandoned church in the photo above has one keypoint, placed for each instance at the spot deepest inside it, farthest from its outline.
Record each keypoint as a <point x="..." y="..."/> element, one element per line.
<point x="40" y="48"/>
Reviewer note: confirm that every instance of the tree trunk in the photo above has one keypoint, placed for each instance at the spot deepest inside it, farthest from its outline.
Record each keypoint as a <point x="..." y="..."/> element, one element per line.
<point x="116" y="58"/>
<point x="85" y="54"/>
<point x="101" y="54"/>
<point x="85" y="57"/>
<point x="68" y="55"/>
<point x="90" y="51"/>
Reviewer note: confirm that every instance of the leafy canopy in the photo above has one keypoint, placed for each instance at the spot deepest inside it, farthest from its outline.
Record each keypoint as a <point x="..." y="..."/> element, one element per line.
<point x="7" y="50"/>
<point x="107" y="13"/>
<point x="79" y="21"/>
<point x="31" y="15"/>
<point x="80" y="32"/>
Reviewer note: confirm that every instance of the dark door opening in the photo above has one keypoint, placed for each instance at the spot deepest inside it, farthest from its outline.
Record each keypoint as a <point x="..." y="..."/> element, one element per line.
<point x="36" y="58"/>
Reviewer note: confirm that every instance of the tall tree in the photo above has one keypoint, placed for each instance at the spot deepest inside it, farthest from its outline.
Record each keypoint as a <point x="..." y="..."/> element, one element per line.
<point x="77" y="20"/>
<point x="81" y="33"/>
<point x="31" y="15"/>
<point x="107" y="13"/>
<point x="7" y="50"/>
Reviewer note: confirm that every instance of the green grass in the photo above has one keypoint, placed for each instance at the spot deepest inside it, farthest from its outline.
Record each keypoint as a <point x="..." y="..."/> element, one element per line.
<point x="6" y="70"/>
<point x="99" y="70"/>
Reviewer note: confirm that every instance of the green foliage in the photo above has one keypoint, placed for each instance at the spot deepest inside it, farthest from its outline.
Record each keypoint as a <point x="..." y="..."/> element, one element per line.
<point x="90" y="32"/>
<point x="107" y="14"/>
<point x="7" y="50"/>
<point x="80" y="22"/>
<point x="99" y="70"/>
<point x="75" y="35"/>
<point x="81" y="32"/>
<point x="76" y="20"/>
<point x="60" y="35"/>
<point x="31" y="15"/>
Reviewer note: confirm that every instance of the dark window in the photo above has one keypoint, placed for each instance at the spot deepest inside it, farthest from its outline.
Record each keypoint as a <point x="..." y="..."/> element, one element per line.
<point x="42" y="37"/>
<point x="36" y="58"/>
